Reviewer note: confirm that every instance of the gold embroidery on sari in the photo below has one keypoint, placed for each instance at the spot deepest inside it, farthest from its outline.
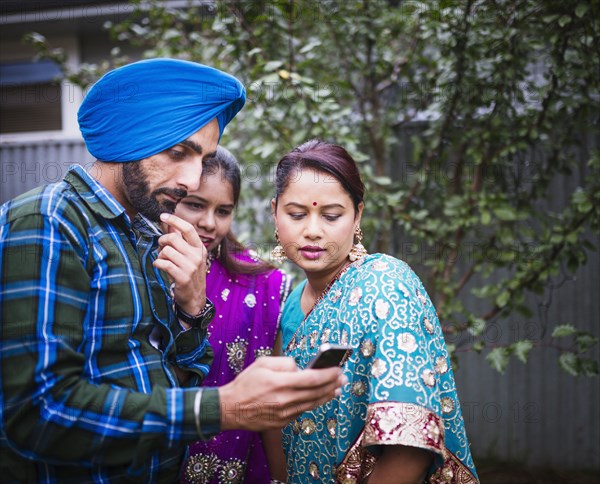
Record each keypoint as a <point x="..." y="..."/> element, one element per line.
<point x="395" y="423"/>
<point x="441" y="365"/>
<point x="378" y="368"/>
<point x="357" y="464"/>
<point x="314" y="336"/>
<point x="452" y="472"/>
<point x="236" y="354"/>
<point x="428" y="378"/>
<point x="232" y="471"/>
<point x="313" y="470"/>
<point x="447" y="405"/>
<point x="332" y="427"/>
<point x="201" y="467"/>
<point x="367" y="348"/>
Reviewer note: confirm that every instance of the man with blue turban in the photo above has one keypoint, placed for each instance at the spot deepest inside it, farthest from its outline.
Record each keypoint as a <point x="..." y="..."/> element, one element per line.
<point x="104" y="317"/>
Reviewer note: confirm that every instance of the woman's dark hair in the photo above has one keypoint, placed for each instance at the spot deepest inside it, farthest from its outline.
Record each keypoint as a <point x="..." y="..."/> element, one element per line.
<point x="321" y="156"/>
<point x="224" y="164"/>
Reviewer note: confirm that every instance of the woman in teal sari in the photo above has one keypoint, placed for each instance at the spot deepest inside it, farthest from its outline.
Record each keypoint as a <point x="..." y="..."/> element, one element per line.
<point x="398" y="419"/>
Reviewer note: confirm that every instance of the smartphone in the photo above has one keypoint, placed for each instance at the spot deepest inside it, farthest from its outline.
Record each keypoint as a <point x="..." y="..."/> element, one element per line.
<point x="330" y="355"/>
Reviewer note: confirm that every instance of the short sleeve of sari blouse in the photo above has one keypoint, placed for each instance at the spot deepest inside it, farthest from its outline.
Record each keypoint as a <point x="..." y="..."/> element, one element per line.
<point x="409" y="350"/>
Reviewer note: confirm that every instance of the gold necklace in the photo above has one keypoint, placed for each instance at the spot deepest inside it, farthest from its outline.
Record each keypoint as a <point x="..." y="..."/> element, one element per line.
<point x="325" y="291"/>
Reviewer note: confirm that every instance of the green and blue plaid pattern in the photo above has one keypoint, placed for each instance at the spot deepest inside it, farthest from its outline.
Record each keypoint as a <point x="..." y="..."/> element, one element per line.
<point x="89" y="343"/>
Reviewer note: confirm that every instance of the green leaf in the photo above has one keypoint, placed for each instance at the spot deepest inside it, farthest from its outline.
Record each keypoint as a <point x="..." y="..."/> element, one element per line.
<point x="502" y="299"/>
<point x="569" y="363"/>
<point x="564" y="20"/>
<point x="498" y="359"/>
<point x="563" y="330"/>
<point x="581" y="9"/>
<point x="549" y="18"/>
<point x="521" y="349"/>
<point x="477" y="326"/>
<point x="585" y="341"/>
<point x="478" y="346"/>
<point x="382" y="180"/>
<point x="310" y="46"/>
<point x="272" y="65"/>
<point x="485" y="217"/>
<point x="505" y="213"/>
<point x="588" y="367"/>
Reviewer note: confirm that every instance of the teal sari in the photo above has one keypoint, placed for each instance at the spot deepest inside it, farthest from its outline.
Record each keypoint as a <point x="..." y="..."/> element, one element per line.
<point x="401" y="388"/>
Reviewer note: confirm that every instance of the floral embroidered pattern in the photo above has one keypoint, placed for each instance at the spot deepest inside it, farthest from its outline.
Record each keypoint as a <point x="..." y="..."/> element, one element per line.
<point x="359" y="388"/>
<point x="367" y="348"/>
<point x="428" y="377"/>
<point x="382" y="309"/>
<point x="394" y="423"/>
<point x="380" y="265"/>
<point x="407" y="342"/>
<point x="441" y="365"/>
<point x="262" y="352"/>
<point x="332" y="427"/>
<point x="225" y="294"/>
<point x="355" y="296"/>
<point x="307" y="426"/>
<point x="447" y="405"/>
<point x="250" y="300"/>
<point x="201" y="468"/>
<point x="313" y="339"/>
<point x="313" y="470"/>
<point x="378" y="368"/>
<point x="453" y="471"/>
<point x="344" y="338"/>
<point x="428" y="325"/>
<point x="232" y="472"/>
<point x="357" y="464"/>
<point x="397" y="372"/>
<point x="236" y="354"/>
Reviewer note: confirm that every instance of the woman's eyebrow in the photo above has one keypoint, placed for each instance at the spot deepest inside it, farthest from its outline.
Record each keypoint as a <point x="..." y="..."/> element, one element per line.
<point x="329" y="205"/>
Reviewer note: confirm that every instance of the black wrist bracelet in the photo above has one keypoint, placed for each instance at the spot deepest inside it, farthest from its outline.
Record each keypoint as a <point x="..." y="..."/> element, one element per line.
<point x="200" y="320"/>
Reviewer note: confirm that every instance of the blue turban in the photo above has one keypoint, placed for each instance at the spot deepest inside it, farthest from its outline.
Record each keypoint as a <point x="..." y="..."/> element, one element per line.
<point x="143" y="108"/>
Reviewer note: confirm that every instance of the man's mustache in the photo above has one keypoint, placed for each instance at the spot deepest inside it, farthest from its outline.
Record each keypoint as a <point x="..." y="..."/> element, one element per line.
<point x="176" y="193"/>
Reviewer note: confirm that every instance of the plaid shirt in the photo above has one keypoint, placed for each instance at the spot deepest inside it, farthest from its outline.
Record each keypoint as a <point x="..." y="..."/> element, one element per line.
<point x="85" y="396"/>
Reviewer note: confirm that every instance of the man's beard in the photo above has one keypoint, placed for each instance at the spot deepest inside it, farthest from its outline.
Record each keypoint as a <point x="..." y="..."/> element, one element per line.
<point x="138" y="193"/>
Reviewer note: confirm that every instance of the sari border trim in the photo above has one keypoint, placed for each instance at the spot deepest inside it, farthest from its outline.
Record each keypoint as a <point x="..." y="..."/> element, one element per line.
<point x="398" y="423"/>
<point x="453" y="471"/>
<point x="358" y="463"/>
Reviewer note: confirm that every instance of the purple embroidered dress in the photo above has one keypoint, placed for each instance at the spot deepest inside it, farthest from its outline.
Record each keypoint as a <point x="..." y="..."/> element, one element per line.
<point x="248" y="308"/>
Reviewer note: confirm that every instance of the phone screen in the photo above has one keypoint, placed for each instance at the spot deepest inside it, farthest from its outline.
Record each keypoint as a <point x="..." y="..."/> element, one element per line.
<point x="330" y="355"/>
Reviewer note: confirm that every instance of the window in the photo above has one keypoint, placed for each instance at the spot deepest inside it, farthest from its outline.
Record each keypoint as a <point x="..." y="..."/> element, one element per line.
<point x="30" y="97"/>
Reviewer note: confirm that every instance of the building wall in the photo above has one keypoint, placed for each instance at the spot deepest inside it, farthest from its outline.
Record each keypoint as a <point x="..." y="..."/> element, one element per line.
<point x="26" y="165"/>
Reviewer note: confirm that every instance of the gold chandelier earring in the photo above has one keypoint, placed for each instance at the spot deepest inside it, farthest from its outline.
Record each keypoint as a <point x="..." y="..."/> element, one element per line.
<point x="357" y="251"/>
<point x="277" y="253"/>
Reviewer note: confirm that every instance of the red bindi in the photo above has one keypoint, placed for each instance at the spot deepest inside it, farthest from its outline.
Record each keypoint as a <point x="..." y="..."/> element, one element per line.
<point x="314" y="204"/>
